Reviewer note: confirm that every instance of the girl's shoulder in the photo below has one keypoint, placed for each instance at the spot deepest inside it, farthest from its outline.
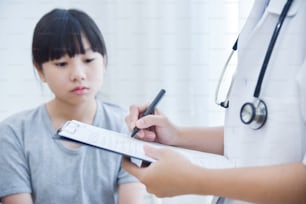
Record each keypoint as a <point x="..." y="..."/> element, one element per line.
<point x="111" y="108"/>
<point x="24" y="117"/>
<point x="111" y="116"/>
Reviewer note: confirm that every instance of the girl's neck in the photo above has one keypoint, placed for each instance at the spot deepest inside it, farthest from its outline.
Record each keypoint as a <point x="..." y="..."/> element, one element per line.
<point x="60" y="112"/>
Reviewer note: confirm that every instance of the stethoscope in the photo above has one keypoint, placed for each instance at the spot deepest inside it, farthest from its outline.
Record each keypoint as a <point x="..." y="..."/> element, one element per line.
<point x="253" y="113"/>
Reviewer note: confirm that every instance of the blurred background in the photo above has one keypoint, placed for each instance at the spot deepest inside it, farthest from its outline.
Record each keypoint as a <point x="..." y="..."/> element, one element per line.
<point x="178" y="45"/>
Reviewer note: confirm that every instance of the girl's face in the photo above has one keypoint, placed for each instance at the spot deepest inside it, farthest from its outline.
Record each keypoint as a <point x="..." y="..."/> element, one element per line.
<point x="75" y="79"/>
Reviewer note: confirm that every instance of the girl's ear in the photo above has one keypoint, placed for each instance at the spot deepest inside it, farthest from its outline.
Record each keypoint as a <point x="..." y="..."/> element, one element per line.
<point x="40" y="72"/>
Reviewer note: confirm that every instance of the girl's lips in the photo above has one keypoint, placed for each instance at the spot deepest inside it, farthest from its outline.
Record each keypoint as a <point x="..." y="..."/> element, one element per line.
<point x="80" y="90"/>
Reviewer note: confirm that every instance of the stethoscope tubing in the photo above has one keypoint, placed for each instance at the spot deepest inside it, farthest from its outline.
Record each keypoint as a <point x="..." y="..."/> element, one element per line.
<point x="254" y="113"/>
<point x="270" y="47"/>
<point x="267" y="57"/>
<point x="225" y="103"/>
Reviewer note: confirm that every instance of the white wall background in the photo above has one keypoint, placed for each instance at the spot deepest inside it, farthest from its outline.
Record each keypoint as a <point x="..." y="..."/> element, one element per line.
<point x="178" y="45"/>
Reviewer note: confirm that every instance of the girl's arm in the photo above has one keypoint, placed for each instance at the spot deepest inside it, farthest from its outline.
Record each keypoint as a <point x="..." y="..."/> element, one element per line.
<point x="20" y="198"/>
<point x="131" y="193"/>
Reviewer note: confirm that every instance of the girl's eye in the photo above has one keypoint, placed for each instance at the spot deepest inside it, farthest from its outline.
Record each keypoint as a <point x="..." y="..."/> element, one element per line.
<point x="89" y="60"/>
<point x="61" y="64"/>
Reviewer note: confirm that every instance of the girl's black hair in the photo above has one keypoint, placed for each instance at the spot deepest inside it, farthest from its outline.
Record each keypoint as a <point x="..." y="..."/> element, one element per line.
<point x="60" y="32"/>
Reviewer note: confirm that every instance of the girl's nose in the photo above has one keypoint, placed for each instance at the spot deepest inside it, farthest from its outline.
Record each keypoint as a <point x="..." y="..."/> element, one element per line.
<point x="78" y="73"/>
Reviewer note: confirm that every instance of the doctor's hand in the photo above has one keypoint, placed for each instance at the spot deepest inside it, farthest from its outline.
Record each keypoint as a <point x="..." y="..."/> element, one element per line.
<point x="167" y="176"/>
<point x="155" y="127"/>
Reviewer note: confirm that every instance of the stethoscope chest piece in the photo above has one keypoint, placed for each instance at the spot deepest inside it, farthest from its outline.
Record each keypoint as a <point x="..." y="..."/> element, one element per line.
<point x="254" y="114"/>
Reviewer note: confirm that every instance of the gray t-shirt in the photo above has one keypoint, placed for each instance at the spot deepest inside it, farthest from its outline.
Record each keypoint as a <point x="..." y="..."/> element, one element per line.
<point x="31" y="161"/>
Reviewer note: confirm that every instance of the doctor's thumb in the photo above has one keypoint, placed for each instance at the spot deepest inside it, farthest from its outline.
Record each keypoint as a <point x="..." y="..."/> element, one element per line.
<point x="152" y="152"/>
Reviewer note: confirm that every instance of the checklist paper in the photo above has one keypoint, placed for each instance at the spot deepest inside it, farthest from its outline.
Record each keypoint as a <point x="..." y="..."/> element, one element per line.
<point x="125" y="145"/>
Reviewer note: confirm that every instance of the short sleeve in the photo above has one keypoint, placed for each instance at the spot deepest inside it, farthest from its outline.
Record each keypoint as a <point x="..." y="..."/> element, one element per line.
<point x="13" y="166"/>
<point x="125" y="177"/>
<point x="304" y="161"/>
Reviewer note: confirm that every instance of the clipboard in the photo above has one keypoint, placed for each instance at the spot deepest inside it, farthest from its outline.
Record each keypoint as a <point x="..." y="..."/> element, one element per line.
<point x="125" y="145"/>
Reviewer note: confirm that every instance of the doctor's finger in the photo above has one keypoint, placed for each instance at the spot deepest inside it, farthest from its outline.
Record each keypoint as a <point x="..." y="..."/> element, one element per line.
<point x="164" y="154"/>
<point x="157" y="153"/>
<point x="135" y="113"/>
<point x="131" y="167"/>
<point x="152" y="120"/>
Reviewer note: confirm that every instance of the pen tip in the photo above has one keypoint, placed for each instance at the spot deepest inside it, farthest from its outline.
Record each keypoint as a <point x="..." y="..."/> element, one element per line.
<point x="135" y="130"/>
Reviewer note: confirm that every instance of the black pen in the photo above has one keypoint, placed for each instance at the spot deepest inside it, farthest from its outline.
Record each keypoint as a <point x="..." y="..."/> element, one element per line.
<point x="150" y="109"/>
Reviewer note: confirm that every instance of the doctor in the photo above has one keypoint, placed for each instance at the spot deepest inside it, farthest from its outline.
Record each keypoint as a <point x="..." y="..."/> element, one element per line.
<point x="264" y="133"/>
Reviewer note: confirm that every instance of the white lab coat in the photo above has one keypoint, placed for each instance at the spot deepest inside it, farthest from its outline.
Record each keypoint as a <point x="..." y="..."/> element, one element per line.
<point x="283" y="138"/>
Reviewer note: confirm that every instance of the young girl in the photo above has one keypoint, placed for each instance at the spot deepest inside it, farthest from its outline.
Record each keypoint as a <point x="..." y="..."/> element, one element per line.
<point x="69" y="55"/>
